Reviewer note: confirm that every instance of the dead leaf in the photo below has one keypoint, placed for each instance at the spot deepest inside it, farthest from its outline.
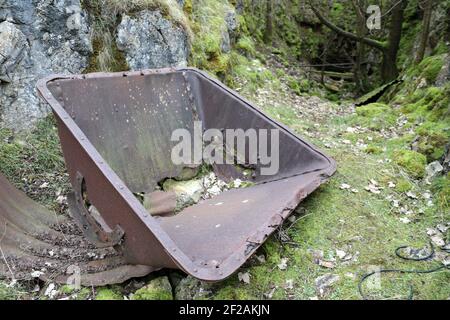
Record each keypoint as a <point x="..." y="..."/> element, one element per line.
<point x="326" y="264"/>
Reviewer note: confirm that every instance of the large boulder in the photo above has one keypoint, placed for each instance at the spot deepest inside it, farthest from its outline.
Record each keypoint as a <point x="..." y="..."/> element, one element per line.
<point x="150" y="40"/>
<point x="39" y="37"/>
<point x="13" y="43"/>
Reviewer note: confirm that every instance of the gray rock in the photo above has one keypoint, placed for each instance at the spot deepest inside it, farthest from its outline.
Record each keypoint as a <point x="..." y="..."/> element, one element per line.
<point x="229" y="31"/>
<point x="52" y="37"/>
<point x="151" y="41"/>
<point x="191" y="288"/>
<point x="13" y="43"/>
<point x="443" y="76"/>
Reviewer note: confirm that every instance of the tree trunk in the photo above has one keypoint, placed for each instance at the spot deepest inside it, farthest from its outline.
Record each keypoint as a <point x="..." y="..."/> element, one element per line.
<point x="360" y="76"/>
<point x="268" y="33"/>
<point x="425" y="30"/>
<point x="389" y="69"/>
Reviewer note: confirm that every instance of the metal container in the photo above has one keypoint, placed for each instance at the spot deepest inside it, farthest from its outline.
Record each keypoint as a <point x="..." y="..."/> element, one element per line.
<point x="115" y="131"/>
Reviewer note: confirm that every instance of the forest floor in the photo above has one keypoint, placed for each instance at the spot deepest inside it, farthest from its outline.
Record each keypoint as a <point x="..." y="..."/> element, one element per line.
<point x="350" y="226"/>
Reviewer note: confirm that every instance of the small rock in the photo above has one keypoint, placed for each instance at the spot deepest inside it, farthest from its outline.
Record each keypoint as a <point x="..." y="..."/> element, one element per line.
<point x="191" y="288"/>
<point x="437" y="240"/>
<point x="404" y="220"/>
<point x="345" y="186"/>
<point x="244" y="277"/>
<point x="323" y="283"/>
<point x="432" y="169"/>
<point x="283" y="264"/>
<point x="326" y="264"/>
<point x="289" y="285"/>
<point x="341" y="253"/>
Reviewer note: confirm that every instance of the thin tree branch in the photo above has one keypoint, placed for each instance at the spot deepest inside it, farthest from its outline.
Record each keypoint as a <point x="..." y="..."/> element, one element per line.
<point x="373" y="43"/>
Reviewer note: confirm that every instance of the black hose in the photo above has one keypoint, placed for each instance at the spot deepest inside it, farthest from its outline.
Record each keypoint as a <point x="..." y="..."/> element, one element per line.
<point x="397" y="252"/>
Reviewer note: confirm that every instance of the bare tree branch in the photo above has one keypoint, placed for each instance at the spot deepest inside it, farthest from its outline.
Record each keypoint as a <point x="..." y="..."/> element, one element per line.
<point x="371" y="42"/>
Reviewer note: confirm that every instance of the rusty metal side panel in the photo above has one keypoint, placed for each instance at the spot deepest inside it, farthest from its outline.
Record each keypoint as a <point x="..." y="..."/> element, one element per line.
<point x="113" y="201"/>
<point x="33" y="238"/>
<point x="129" y="120"/>
<point x="220" y="107"/>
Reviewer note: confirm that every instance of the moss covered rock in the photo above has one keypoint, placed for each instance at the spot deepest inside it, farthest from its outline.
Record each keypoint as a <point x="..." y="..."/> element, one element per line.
<point x="412" y="161"/>
<point x="108" y="294"/>
<point x="372" y="109"/>
<point x="191" y="288"/>
<point x="157" y="289"/>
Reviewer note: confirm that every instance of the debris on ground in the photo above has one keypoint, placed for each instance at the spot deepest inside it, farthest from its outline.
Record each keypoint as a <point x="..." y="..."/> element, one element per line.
<point x="325" y="282"/>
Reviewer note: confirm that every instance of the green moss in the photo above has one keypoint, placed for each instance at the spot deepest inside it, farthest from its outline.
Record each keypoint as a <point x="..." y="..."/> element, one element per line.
<point x="188" y="7"/>
<point x="372" y="110"/>
<point x="209" y="25"/>
<point x="412" y="161"/>
<point x="375" y="116"/>
<point x="108" y="294"/>
<point x="298" y="86"/>
<point x="403" y="185"/>
<point x="157" y="289"/>
<point x="9" y="293"/>
<point x="246" y="46"/>
<point x="373" y="149"/>
<point x="431" y="66"/>
<point x="441" y="190"/>
<point x="30" y="159"/>
<point x="67" y="289"/>
<point x="232" y="292"/>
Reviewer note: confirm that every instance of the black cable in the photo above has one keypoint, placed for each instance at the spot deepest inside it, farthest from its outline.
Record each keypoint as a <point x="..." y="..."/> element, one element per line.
<point x="442" y="266"/>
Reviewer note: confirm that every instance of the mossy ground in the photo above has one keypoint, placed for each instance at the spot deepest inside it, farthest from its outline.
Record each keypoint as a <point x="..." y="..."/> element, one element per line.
<point x="363" y="223"/>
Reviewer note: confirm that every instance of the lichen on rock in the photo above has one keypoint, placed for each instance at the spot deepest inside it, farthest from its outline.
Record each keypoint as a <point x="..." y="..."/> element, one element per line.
<point x="47" y="37"/>
<point x="150" y="40"/>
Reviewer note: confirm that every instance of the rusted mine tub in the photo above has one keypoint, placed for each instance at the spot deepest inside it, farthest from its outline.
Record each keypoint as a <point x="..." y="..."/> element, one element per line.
<point x="115" y="131"/>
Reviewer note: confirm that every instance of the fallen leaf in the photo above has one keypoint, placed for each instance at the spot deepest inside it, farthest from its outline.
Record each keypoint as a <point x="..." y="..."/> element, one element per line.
<point x="326" y="264"/>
